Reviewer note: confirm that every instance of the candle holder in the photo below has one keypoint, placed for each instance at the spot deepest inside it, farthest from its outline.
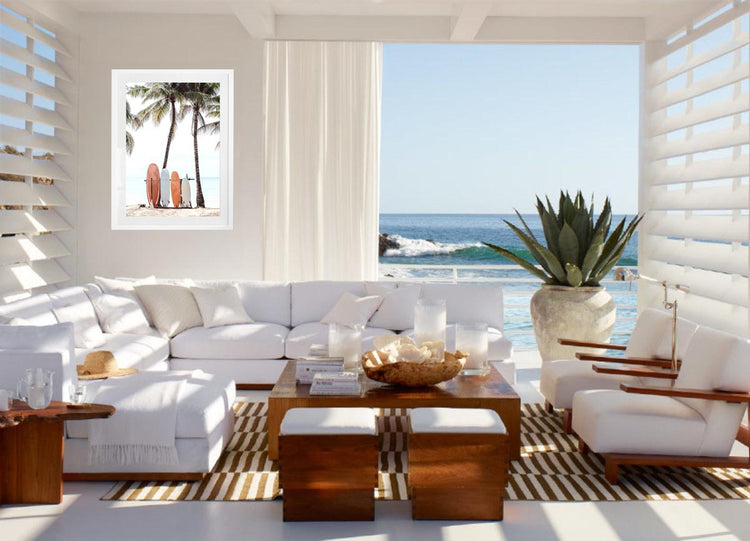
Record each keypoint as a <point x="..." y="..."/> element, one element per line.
<point x="472" y="339"/>
<point x="429" y="321"/>
<point x="346" y="341"/>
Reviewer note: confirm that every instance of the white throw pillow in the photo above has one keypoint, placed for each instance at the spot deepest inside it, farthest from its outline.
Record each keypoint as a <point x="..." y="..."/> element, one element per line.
<point x="172" y="309"/>
<point x="125" y="288"/>
<point x="352" y="310"/>
<point x="86" y="331"/>
<point x="220" y="306"/>
<point x="397" y="310"/>
<point x="118" y="314"/>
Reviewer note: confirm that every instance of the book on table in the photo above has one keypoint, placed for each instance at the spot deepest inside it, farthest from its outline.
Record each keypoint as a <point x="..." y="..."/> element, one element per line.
<point x="307" y="367"/>
<point x="336" y="383"/>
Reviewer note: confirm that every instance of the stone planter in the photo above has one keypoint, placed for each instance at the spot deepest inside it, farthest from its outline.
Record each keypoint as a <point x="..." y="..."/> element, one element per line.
<point x="578" y="313"/>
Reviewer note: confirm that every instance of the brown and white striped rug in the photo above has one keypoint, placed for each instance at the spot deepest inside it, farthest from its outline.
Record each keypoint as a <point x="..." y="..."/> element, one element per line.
<point x="550" y="469"/>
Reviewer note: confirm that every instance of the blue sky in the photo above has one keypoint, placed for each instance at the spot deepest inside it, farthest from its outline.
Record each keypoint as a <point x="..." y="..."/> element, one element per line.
<point x="485" y="128"/>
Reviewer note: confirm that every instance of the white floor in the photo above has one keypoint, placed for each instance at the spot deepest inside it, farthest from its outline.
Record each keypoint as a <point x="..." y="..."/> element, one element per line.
<point x="82" y="517"/>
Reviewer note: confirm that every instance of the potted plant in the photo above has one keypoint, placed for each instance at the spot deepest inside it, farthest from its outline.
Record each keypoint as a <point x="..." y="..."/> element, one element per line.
<point x="578" y="253"/>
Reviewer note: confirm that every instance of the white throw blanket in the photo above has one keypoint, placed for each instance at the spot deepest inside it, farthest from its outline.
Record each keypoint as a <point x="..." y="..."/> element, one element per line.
<point x="142" y="430"/>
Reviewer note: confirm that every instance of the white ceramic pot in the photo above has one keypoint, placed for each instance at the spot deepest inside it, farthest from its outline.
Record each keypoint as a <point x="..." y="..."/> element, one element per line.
<point x="578" y="313"/>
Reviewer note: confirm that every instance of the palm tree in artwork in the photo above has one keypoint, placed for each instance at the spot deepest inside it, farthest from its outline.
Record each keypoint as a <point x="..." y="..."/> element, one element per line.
<point x="199" y="98"/>
<point x="161" y="100"/>
<point x="130" y="122"/>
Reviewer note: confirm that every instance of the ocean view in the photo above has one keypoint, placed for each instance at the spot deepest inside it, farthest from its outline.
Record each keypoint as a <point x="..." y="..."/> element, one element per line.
<point x="456" y="239"/>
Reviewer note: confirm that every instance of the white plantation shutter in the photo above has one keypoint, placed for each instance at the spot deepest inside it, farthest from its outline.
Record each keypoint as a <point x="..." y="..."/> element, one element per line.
<point x="37" y="145"/>
<point x="694" y="178"/>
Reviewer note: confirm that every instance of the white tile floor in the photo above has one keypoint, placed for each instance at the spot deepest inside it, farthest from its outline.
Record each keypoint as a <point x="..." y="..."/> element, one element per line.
<point x="82" y="517"/>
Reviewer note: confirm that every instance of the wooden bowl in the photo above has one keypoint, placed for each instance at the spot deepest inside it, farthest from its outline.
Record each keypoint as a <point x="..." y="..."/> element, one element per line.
<point x="406" y="374"/>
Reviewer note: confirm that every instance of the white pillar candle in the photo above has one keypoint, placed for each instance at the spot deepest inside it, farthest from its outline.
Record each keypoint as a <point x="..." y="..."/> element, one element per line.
<point x="472" y="338"/>
<point x="345" y="341"/>
<point x="5" y="397"/>
<point x="429" y="321"/>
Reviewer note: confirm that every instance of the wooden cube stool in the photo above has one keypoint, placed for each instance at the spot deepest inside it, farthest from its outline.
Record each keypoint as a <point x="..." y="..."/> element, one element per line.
<point x="458" y="464"/>
<point x="328" y="464"/>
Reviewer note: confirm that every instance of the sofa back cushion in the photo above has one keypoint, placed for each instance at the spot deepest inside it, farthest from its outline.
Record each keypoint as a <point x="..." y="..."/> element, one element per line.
<point x="72" y="305"/>
<point x="267" y="302"/>
<point x="311" y="301"/>
<point x="36" y="310"/>
<point x="481" y="303"/>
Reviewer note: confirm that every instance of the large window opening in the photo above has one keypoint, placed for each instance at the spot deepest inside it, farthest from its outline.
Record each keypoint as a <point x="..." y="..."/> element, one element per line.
<point x="471" y="133"/>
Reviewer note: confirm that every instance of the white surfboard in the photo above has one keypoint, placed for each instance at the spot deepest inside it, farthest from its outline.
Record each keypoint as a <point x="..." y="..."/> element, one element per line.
<point x="164" y="199"/>
<point x="186" y="201"/>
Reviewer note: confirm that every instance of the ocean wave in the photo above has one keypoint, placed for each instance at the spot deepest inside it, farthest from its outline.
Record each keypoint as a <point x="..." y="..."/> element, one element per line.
<point x="423" y="247"/>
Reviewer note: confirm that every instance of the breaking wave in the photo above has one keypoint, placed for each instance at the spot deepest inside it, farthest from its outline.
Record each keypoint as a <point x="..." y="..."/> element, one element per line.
<point x="423" y="247"/>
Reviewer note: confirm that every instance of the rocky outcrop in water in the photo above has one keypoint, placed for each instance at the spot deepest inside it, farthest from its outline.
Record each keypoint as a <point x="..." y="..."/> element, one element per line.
<point x="386" y="243"/>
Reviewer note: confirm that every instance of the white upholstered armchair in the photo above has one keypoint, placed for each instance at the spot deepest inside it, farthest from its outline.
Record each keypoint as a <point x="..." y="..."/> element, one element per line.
<point x="650" y="348"/>
<point x="694" y="423"/>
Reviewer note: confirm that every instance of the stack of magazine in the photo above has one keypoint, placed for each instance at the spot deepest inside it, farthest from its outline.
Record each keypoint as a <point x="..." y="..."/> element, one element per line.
<point x="307" y="367"/>
<point x="336" y="383"/>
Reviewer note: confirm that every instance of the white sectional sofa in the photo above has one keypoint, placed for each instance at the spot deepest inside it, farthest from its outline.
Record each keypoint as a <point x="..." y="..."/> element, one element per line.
<point x="286" y="322"/>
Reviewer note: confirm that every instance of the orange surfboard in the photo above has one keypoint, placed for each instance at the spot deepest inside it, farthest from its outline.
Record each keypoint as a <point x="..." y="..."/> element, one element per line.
<point x="174" y="182"/>
<point x="153" y="191"/>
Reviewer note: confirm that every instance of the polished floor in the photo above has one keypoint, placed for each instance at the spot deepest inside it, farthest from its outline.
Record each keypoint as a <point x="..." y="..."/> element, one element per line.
<point x="83" y="517"/>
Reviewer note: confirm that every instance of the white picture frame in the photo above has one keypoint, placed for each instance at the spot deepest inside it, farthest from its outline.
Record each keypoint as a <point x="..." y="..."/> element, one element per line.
<point x="127" y="204"/>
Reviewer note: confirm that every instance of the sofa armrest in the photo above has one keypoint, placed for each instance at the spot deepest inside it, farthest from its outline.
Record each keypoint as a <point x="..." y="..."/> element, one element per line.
<point x="14" y="362"/>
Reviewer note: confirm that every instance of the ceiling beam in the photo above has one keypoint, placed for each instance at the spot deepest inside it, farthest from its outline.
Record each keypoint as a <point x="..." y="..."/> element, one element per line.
<point x="257" y="17"/>
<point x="466" y="26"/>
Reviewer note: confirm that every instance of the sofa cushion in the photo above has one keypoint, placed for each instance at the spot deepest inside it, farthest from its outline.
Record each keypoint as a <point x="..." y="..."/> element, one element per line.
<point x="172" y="309"/>
<point x="313" y="300"/>
<point x="561" y="379"/>
<point x="397" y="309"/>
<point x="246" y="341"/>
<point x="141" y="351"/>
<point x="120" y="315"/>
<point x="499" y="347"/>
<point x="352" y="310"/>
<point x="201" y="406"/>
<point x="220" y="305"/>
<point x="72" y="305"/>
<point x="303" y="336"/>
<point x="124" y="287"/>
<point x="270" y="302"/>
<point x="36" y="310"/>
<point x="469" y="302"/>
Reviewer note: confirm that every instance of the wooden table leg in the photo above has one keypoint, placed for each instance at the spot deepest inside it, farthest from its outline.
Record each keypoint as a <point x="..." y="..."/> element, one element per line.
<point x="276" y="411"/>
<point x="31" y="468"/>
<point x="510" y="413"/>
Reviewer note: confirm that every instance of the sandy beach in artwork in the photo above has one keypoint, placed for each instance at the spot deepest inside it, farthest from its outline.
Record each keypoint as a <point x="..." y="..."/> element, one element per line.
<point x="138" y="210"/>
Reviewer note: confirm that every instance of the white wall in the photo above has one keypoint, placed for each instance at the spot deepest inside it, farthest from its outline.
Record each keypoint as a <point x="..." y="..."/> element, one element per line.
<point x="168" y="41"/>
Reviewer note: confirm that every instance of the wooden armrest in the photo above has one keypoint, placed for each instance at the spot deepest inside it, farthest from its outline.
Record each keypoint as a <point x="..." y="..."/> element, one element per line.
<point x="658" y="363"/>
<point x="724" y="396"/>
<point x="640" y="372"/>
<point x="578" y="343"/>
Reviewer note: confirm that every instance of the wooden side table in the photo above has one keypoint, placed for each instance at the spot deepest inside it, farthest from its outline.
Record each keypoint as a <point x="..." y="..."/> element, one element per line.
<point x="31" y="447"/>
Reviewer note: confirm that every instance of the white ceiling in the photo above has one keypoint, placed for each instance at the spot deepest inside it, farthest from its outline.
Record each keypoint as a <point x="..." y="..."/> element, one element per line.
<point x="466" y="17"/>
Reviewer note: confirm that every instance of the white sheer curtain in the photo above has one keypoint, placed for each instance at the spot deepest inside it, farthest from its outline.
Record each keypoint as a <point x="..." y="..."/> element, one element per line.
<point x="322" y="153"/>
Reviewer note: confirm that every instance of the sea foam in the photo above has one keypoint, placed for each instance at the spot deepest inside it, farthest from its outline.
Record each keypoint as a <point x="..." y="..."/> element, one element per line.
<point x="422" y="247"/>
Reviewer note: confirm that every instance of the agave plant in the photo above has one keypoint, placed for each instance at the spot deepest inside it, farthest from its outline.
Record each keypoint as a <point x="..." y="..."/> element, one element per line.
<point x="579" y="251"/>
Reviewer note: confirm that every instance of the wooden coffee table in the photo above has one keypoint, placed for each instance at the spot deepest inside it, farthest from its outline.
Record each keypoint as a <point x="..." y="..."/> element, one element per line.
<point x="488" y="392"/>
<point x="31" y="447"/>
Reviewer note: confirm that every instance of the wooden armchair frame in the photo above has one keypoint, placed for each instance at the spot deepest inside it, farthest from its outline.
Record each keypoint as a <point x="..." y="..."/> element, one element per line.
<point x="645" y="371"/>
<point x="614" y="460"/>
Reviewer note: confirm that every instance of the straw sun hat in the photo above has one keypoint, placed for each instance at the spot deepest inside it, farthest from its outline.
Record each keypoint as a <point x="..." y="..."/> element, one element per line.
<point x="101" y="365"/>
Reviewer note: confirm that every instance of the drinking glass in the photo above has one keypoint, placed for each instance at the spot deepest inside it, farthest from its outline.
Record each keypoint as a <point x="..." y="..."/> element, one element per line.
<point x="35" y="387"/>
<point x="346" y="341"/>
<point x="472" y="338"/>
<point x="429" y="321"/>
<point x="77" y="393"/>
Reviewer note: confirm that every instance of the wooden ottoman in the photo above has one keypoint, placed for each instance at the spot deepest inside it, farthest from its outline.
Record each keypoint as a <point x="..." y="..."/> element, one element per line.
<point x="328" y="464"/>
<point x="458" y="464"/>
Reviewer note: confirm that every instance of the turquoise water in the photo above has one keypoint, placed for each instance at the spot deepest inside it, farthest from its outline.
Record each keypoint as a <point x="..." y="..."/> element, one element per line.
<point x="456" y="239"/>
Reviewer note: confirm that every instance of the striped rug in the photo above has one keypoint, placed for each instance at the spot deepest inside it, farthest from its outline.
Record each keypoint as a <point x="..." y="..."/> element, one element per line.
<point x="550" y="469"/>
